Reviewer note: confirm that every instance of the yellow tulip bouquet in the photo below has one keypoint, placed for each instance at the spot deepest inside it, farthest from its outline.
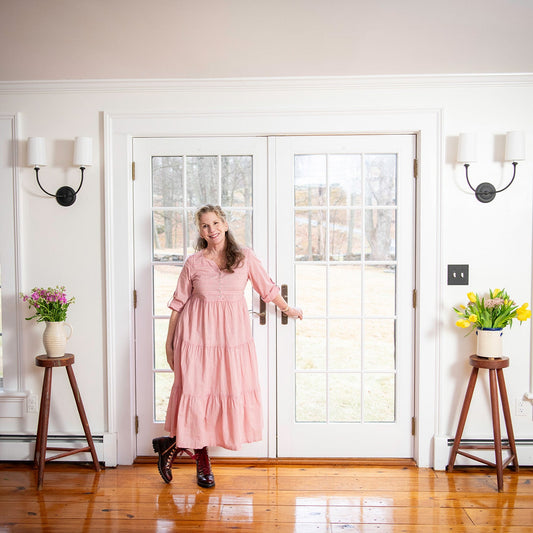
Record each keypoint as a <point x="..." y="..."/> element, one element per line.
<point x="495" y="312"/>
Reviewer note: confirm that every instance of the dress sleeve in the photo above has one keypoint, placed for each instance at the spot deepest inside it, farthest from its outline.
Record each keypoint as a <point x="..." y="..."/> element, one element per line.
<point x="183" y="289"/>
<point x="261" y="281"/>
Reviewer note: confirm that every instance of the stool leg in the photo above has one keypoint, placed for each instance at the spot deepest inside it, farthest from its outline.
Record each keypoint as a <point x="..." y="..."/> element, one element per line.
<point x="507" y="417"/>
<point x="462" y="418"/>
<point x="83" y="416"/>
<point x="42" y="428"/>
<point x="496" y="427"/>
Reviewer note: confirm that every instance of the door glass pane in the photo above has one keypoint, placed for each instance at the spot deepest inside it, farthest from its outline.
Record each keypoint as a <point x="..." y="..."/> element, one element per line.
<point x="240" y="223"/>
<point x="236" y="180"/>
<point x="311" y="344"/>
<point x="344" y="344"/>
<point x="344" y="290"/>
<point x="162" y="386"/>
<point x="344" y="179"/>
<point x="378" y="398"/>
<point x="165" y="279"/>
<point x="167" y="181"/>
<point x="167" y="227"/>
<point x="380" y="179"/>
<point x="344" y="397"/>
<point x="345" y="234"/>
<point x="310" y="235"/>
<point x="379" y="287"/>
<point x="380" y="234"/>
<point x="345" y="279"/>
<point x="379" y="344"/>
<point x="310" y="180"/>
<point x="311" y="397"/>
<point x="202" y="180"/>
<point x="160" y="337"/>
<point x="311" y="288"/>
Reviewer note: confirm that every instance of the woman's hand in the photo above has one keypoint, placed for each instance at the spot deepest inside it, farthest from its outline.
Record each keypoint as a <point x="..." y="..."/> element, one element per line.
<point x="169" y="345"/>
<point x="294" y="312"/>
<point x="170" y="356"/>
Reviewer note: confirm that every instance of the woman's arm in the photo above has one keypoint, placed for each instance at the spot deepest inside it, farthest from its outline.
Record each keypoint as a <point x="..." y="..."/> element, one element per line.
<point x="169" y="346"/>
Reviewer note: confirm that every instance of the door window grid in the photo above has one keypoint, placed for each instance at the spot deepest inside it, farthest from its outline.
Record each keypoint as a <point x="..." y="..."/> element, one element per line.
<point x="333" y="407"/>
<point x="223" y="180"/>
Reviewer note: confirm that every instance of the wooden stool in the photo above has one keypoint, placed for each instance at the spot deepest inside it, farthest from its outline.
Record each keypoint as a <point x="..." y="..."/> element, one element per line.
<point x="39" y="458"/>
<point x="495" y="368"/>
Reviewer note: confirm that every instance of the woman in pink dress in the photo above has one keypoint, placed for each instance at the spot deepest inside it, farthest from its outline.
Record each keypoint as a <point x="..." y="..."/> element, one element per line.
<point x="215" y="399"/>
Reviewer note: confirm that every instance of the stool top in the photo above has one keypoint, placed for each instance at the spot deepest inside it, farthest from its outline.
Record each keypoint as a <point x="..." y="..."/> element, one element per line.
<point x="64" y="360"/>
<point x="492" y="364"/>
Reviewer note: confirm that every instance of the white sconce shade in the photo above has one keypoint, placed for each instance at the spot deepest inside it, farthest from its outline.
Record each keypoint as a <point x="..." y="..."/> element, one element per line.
<point x="467" y="149"/>
<point x="36" y="153"/>
<point x="515" y="146"/>
<point x="83" y="152"/>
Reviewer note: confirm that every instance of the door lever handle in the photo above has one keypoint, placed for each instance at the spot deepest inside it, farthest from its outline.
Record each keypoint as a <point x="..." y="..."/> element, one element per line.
<point x="262" y="313"/>
<point x="284" y="294"/>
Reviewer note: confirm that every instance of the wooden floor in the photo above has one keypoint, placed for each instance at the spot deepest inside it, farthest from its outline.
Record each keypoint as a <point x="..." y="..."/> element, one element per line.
<point x="265" y="498"/>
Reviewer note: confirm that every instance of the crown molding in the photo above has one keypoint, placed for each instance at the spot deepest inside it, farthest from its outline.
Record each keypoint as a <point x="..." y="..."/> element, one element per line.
<point x="269" y="84"/>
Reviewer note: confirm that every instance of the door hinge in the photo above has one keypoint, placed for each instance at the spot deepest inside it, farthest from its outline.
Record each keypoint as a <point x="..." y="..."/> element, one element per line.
<point x="134" y="299"/>
<point x="414" y="298"/>
<point x="415" y="168"/>
<point x="413" y="426"/>
<point x="133" y="170"/>
<point x="136" y="424"/>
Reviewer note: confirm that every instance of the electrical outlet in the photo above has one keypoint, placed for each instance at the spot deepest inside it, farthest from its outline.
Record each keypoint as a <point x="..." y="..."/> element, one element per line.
<point x="522" y="407"/>
<point x="457" y="274"/>
<point x="31" y="403"/>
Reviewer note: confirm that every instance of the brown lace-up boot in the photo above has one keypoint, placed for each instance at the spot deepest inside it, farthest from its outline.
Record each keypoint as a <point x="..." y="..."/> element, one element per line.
<point x="166" y="448"/>
<point x="204" y="475"/>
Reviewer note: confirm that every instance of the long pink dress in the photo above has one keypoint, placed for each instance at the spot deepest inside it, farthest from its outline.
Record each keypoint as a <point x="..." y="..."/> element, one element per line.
<point x="216" y="398"/>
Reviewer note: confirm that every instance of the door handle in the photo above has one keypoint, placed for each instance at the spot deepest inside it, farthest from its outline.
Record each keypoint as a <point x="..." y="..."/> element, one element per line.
<point x="284" y="294"/>
<point x="262" y="313"/>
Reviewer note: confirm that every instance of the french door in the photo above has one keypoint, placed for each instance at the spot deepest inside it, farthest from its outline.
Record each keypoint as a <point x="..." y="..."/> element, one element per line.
<point x="173" y="178"/>
<point x="338" y="383"/>
<point x="345" y="248"/>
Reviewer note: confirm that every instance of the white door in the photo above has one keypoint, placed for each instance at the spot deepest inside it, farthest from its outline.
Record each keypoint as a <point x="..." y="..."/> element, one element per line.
<point x="345" y="218"/>
<point x="343" y="244"/>
<point x="173" y="177"/>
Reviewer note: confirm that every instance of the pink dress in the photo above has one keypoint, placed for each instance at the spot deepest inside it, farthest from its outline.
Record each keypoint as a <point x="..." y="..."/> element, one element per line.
<point x="216" y="398"/>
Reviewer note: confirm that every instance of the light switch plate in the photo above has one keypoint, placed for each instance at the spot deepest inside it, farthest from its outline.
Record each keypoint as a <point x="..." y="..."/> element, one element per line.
<point x="457" y="274"/>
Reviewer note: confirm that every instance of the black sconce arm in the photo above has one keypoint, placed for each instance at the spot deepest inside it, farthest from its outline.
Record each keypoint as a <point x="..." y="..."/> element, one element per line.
<point x="486" y="192"/>
<point x="65" y="195"/>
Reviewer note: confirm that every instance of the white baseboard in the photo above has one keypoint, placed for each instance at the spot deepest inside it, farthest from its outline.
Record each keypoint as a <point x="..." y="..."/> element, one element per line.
<point x="443" y="446"/>
<point x="22" y="447"/>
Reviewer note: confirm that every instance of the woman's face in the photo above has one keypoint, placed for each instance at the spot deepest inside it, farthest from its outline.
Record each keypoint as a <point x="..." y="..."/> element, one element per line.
<point x="213" y="229"/>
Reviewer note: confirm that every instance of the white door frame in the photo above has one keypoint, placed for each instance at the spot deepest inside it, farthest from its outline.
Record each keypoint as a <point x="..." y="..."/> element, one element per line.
<point x="120" y="128"/>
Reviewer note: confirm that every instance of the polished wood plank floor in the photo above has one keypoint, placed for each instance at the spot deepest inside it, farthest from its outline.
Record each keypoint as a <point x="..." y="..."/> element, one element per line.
<point x="265" y="498"/>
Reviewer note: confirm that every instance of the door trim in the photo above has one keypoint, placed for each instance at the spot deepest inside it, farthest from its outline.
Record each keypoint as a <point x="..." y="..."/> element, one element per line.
<point x="120" y="128"/>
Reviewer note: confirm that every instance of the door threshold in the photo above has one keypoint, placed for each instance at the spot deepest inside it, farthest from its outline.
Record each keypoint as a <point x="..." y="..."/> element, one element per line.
<point x="297" y="461"/>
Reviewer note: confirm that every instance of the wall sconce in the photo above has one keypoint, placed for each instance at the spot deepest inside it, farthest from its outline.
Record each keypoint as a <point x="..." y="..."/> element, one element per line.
<point x="467" y="153"/>
<point x="83" y="157"/>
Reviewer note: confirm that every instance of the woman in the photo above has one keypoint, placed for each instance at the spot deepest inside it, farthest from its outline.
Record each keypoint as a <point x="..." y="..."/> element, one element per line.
<point x="215" y="399"/>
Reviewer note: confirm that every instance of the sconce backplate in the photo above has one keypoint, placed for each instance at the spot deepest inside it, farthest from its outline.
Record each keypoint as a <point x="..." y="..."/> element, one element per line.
<point x="485" y="192"/>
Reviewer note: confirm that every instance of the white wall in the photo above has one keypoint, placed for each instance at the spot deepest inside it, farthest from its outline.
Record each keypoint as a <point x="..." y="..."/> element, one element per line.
<point x="67" y="245"/>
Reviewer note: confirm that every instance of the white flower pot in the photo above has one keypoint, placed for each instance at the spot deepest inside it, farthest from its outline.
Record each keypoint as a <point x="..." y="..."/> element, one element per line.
<point x="55" y="338"/>
<point x="489" y="343"/>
